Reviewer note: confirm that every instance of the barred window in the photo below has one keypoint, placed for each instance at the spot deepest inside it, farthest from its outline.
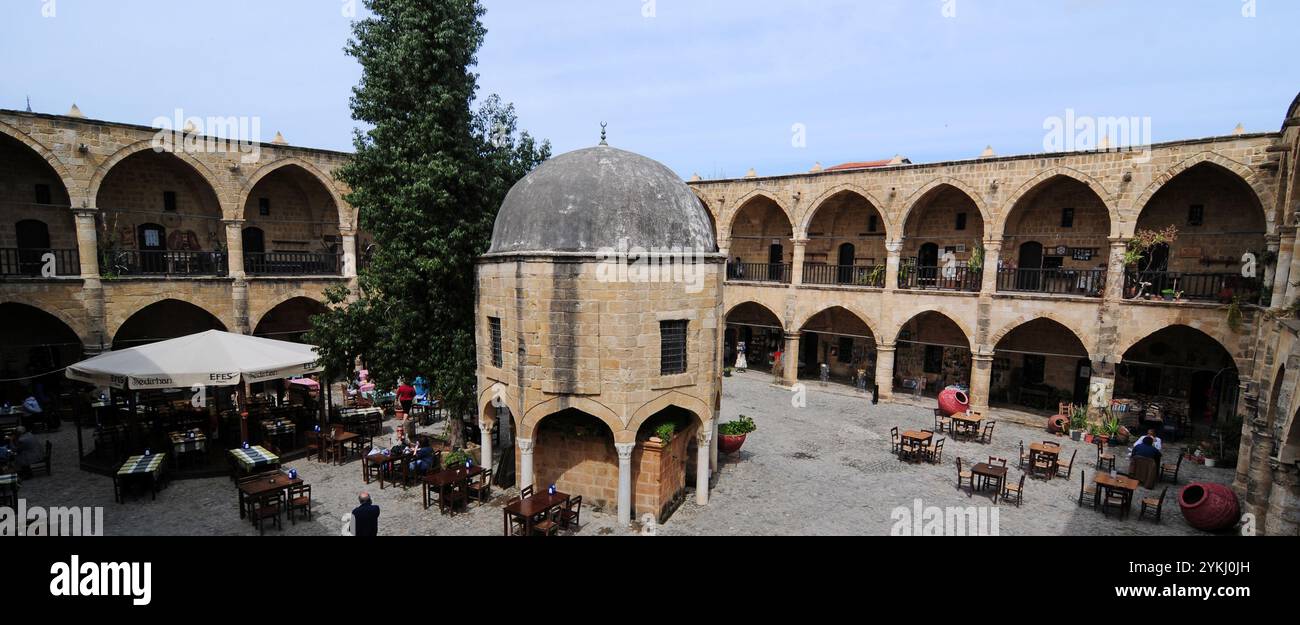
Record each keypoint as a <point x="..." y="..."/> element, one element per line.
<point x="494" y="325"/>
<point x="672" y="347"/>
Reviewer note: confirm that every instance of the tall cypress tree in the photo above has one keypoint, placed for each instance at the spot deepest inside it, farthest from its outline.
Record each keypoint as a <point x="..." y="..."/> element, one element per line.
<point x="428" y="177"/>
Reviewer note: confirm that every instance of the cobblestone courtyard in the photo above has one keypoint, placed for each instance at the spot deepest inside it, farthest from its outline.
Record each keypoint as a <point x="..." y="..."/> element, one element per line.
<point x="824" y="469"/>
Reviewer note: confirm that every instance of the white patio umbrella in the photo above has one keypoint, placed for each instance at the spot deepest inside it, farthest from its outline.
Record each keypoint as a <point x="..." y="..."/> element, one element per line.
<point x="211" y="358"/>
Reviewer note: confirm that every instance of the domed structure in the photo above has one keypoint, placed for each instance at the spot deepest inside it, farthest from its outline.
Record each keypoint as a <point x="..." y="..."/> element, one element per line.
<point x="588" y="350"/>
<point x="593" y="199"/>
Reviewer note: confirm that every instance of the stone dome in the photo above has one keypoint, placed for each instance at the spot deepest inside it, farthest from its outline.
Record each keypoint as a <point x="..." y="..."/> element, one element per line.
<point x="592" y="199"/>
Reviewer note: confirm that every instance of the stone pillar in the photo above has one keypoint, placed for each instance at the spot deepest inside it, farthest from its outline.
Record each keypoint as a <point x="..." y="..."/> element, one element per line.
<point x="981" y="375"/>
<point x="485" y="442"/>
<point x="525" y="447"/>
<point x="1115" y="270"/>
<point x="800" y="246"/>
<point x="1273" y="244"/>
<point x="790" y="359"/>
<point x="703" y="440"/>
<point x="1283" y="503"/>
<point x="92" y="285"/>
<point x="713" y="446"/>
<point x="625" y="482"/>
<point x="894" y="249"/>
<point x="885" y="370"/>
<point x="1294" y="273"/>
<point x="1282" y="275"/>
<point x="1259" y="472"/>
<point x="992" y="255"/>
<point x="349" y="255"/>
<point x="235" y="247"/>
<point x="1101" y="385"/>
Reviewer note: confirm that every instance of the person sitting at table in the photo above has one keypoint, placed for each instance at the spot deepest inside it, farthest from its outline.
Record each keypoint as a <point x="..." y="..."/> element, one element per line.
<point x="26" y="452"/>
<point x="1146" y="448"/>
<point x="32" y="406"/>
<point x="423" y="458"/>
<point x="1156" y="442"/>
<point x="365" y="517"/>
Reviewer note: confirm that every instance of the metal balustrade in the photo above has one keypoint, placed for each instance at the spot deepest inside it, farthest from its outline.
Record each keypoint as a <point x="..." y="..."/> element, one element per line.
<point x="1083" y="282"/>
<point x="955" y="278"/>
<point x="759" y="272"/>
<point x="847" y="275"/>
<point x="31" y="262"/>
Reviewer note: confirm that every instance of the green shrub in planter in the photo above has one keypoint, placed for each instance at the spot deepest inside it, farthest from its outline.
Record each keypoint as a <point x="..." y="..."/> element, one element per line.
<point x="456" y="458"/>
<point x="666" y="431"/>
<point x="743" y="425"/>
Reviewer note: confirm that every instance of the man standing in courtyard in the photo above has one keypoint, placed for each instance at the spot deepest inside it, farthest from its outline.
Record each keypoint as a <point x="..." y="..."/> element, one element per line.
<point x="365" y="516"/>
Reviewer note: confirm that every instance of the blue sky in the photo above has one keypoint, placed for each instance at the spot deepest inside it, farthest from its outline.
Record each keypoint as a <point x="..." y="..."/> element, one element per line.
<point x="713" y="87"/>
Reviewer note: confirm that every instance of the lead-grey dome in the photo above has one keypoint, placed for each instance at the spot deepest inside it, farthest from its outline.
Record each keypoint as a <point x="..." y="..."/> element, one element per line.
<point x="592" y="199"/>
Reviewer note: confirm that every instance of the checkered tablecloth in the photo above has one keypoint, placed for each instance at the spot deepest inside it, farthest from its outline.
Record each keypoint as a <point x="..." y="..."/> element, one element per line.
<point x="360" y="412"/>
<point x="272" y="427"/>
<point x="9" y="480"/>
<point x="141" y="465"/>
<point x="254" y="457"/>
<point x="182" y="443"/>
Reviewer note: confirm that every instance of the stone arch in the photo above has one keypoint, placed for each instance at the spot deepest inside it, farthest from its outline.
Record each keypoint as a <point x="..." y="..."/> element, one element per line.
<point x="801" y="231"/>
<point x="345" y="218"/>
<point x="76" y="195"/>
<point x="1274" y="396"/>
<point x="78" y="327"/>
<point x="1008" y="328"/>
<point x="263" y="315"/>
<point x="487" y="400"/>
<point x="1129" y="339"/>
<point x="681" y="400"/>
<point x="535" y="415"/>
<point x="747" y="198"/>
<point x="1263" y="195"/>
<point x="954" y="318"/>
<point x="801" y="321"/>
<point x="922" y="194"/>
<point x="204" y="173"/>
<point x="116" y="327"/>
<point x="761" y="305"/>
<point x="713" y="217"/>
<point x="1033" y="184"/>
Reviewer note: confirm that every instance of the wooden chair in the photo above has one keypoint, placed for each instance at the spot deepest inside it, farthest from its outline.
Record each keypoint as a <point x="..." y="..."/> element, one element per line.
<point x="1169" y="472"/>
<point x="314" y="446"/>
<point x="549" y="525"/>
<point x="1151" y="506"/>
<point x="1017" y="490"/>
<point x="942" y="420"/>
<point x="299" y="498"/>
<point x="267" y="508"/>
<point x="896" y="441"/>
<point x="1043" y="466"/>
<point x="997" y="462"/>
<point x="935" y="452"/>
<point x="510" y="524"/>
<point x="1023" y="463"/>
<point x="572" y="513"/>
<point x="1113" y="498"/>
<point x="526" y="492"/>
<point x="1087" y="492"/>
<point x="453" y="496"/>
<point x="44" y="463"/>
<point x="987" y="435"/>
<point x="1069" y="468"/>
<point x="481" y="489"/>
<point x="1105" y="461"/>
<point x="966" y="475"/>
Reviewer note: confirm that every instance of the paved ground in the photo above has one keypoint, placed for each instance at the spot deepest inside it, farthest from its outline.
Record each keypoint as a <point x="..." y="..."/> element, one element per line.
<point x="822" y="469"/>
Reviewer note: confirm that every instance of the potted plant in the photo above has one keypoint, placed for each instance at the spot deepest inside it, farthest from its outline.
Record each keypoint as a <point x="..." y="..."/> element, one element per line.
<point x="454" y="459"/>
<point x="1109" y="429"/>
<point x="733" y="434"/>
<point x="726" y="372"/>
<point x="1168" y="294"/>
<point x="1078" y="421"/>
<point x="665" y="432"/>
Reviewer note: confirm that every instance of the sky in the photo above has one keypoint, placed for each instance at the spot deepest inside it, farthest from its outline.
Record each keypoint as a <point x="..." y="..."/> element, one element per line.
<point x="714" y="87"/>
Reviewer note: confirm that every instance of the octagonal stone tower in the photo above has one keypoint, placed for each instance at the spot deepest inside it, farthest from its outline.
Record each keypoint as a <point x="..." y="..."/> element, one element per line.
<point x="599" y="330"/>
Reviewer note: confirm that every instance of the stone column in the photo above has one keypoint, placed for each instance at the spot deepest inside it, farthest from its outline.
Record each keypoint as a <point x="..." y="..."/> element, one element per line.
<point x="1259" y="476"/>
<point x="349" y="254"/>
<point x="800" y="245"/>
<point x="92" y="285"/>
<point x="981" y="375"/>
<point x="790" y="359"/>
<point x="992" y="255"/>
<point x="894" y="249"/>
<point x="624" y="482"/>
<point x="885" y="370"/>
<point x="1283" y="503"/>
<point x="485" y="442"/>
<point x="1282" y="275"/>
<point x="1294" y="273"/>
<point x="1115" y="270"/>
<point x="1273" y="244"/>
<point x="703" y="440"/>
<point x="1102" y="379"/>
<point x="235" y="248"/>
<point x="525" y="447"/>
<point x="713" y="447"/>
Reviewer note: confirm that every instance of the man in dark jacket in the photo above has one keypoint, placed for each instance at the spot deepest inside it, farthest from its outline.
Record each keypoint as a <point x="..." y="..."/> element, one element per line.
<point x="365" y="517"/>
<point x="1147" y="449"/>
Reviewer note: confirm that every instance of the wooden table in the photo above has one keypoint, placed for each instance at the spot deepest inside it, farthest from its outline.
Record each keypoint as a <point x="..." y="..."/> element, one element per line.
<point x="985" y="471"/>
<point x="148" y="468"/>
<point x="338" y="442"/>
<point x="443" y="480"/>
<point x="527" y="509"/>
<point x="257" y="488"/>
<point x="1105" y="483"/>
<point x="9" y="485"/>
<point x="969" y="424"/>
<point x="381" y="461"/>
<point x="919" y="438"/>
<point x="252" y="459"/>
<point x="1053" y="452"/>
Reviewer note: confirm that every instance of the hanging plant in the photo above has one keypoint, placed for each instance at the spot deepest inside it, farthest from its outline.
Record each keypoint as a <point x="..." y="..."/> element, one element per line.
<point x="1234" y="315"/>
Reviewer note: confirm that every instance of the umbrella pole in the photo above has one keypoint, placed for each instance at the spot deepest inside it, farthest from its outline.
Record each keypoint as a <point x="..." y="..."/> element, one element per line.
<point x="241" y="400"/>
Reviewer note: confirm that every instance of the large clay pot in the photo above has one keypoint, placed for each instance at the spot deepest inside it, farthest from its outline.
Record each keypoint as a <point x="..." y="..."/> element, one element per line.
<point x="1058" y="424"/>
<point x="953" y="401"/>
<point x="1209" y="507"/>
<point x="730" y="443"/>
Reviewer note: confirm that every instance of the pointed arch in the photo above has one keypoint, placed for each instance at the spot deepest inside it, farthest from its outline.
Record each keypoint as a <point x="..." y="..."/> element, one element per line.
<point x="343" y="211"/>
<point x="76" y="195"/>
<point x="1262" y="194"/>
<point x="535" y="414"/>
<point x="693" y="405"/>
<point x="924" y="193"/>
<point x="1044" y="178"/>
<point x="954" y="319"/>
<point x="801" y="322"/>
<point x="751" y="196"/>
<point x="1007" y="329"/>
<point x="801" y="232"/>
<point x="204" y="173"/>
<point x="760" y="305"/>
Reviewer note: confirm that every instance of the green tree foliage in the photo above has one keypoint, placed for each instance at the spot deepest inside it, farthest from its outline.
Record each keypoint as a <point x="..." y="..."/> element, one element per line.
<point x="428" y="176"/>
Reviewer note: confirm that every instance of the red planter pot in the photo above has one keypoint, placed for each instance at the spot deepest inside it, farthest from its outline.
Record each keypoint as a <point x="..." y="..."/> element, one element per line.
<point x="953" y="401"/>
<point x="1059" y="424"/>
<point x="1209" y="507"/>
<point x="730" y="444"/>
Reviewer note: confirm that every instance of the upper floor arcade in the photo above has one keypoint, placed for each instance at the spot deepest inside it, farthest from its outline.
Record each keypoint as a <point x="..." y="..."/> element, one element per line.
<point x="85" y="198"/>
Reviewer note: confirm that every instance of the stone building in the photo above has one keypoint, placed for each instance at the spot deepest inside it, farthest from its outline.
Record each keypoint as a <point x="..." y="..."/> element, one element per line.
<point x="113" y="234"/>
<point x="1008" y="275"/>
<point x="600" y="308"/>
